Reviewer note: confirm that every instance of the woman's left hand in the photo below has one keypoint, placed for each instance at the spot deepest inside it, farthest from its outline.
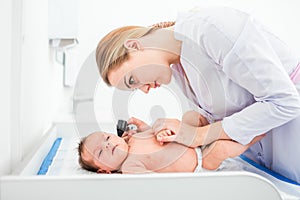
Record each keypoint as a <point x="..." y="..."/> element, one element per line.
<point x="161" y="134"/>
<point x="180" y="132"/>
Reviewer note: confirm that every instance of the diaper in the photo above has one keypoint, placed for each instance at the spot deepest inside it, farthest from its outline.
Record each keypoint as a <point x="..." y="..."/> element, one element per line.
<point x="227" y="165"/>
<point x="199" y="157"/>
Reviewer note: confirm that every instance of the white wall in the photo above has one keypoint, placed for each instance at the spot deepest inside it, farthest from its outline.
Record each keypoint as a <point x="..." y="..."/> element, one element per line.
<point x="5" y="73"/>
<point x="98" y="18"/>
<point x="43" y="98"/>
<point x="38" y="80"/>
<point x="32" y="94"/>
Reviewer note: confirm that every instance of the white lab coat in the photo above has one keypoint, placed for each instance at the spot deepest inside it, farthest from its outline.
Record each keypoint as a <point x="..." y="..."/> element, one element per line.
<point x="238" y="72"/>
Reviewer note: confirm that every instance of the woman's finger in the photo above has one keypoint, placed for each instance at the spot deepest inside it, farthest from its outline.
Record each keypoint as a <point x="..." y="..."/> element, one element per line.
<point x="128" y="134"/>
<point x="125" y="134"/>
<point x="170" y="138"/>
<point x="168" y="132"/>
<point x="141" y="125"/>
<point x="166" y="124"/>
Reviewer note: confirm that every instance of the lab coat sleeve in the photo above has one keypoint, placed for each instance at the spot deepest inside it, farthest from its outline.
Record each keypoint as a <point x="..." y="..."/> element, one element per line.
<point x="247" y="58"/>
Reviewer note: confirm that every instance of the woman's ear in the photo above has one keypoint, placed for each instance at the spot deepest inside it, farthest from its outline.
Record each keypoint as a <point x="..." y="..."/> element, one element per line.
<point x="132" y="44"/>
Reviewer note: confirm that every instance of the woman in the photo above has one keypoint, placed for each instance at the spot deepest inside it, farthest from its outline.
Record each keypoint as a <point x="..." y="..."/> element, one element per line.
<point x="243" y="79"/>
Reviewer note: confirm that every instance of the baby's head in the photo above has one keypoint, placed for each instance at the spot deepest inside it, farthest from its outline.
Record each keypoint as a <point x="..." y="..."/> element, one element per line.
<point x="102" y="152"/>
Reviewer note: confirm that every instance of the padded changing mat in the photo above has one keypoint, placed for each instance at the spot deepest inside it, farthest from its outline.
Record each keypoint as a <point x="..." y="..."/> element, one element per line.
<point x="62" y="160"/>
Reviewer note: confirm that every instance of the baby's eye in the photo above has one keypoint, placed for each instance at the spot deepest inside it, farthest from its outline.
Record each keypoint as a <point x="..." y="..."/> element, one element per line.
<point x="99" y="153"/>
<point x="107" y="138"/>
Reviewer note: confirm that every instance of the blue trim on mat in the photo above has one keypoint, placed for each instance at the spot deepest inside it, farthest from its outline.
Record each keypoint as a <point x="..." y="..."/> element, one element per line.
<point x="49" y="158"/>
<point x="272" y="173"/>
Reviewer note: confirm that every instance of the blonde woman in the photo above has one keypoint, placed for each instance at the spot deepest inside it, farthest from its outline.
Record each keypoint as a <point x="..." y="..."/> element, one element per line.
<point x="243" y="79"/>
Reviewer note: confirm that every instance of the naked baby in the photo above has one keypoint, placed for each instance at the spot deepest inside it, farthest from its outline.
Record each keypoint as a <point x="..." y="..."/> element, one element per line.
<point x="142" y="153"/>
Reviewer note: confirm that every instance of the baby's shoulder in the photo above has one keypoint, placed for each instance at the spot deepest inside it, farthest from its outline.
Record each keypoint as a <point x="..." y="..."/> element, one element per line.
<point x="133" y="166"/>
<point x="131" y="162"/>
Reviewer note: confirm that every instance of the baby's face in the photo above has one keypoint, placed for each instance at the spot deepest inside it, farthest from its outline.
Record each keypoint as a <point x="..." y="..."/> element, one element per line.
<point x="105" y="151"/>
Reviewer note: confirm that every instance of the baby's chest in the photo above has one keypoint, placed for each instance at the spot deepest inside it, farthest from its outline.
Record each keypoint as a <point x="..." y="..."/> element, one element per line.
<point x="157" y="157"/>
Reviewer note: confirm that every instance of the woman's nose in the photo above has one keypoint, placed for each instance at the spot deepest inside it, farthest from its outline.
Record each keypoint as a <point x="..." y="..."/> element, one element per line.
<point x="145" y="88"/>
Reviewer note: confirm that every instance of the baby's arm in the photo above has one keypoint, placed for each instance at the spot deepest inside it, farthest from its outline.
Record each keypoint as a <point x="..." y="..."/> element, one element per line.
<point x="134" y="167"/>
<point x="220" y="150"/>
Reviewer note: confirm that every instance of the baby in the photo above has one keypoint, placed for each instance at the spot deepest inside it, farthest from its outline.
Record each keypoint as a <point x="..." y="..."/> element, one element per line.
<point x="106" y="153"/>
<point x="142" y="153"/>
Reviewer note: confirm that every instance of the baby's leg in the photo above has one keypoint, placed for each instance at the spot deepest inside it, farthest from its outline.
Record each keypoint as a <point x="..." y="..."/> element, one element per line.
<point x="220" y="150"/>
<point x="194" y="118"/>
<point x="215" y="153"/>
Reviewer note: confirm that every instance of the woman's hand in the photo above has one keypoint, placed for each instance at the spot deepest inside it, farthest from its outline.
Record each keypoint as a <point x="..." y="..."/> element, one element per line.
<point x="189" y="135"/>
<point x="175" y="131"/>
<point x="162" y="134"/>
<point x="141" y="126"/>
<point x="166" y="130"/>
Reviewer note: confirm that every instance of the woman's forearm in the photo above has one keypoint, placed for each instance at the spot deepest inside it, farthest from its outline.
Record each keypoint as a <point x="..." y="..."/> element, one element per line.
<point x="208" y="134"/>
<point x="189" y="135"/>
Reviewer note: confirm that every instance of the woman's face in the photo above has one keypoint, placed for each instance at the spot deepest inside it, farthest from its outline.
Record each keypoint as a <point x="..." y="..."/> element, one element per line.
<point x="143" y="70"/>
<point x="104" y="151"/>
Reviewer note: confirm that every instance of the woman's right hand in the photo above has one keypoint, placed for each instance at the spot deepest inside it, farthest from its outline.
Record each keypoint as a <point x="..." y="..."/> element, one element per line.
<point x="141" y="125"/>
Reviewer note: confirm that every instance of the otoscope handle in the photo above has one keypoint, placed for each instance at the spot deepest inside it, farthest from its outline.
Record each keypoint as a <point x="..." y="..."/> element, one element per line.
<point x="122" y="126"/>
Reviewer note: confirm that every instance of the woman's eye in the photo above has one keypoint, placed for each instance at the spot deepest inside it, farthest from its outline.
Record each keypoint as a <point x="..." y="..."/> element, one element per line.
<point x="131" y="81"/>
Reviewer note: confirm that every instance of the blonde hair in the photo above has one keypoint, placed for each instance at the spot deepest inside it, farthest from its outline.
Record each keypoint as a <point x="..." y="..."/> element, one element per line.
<point x="111" y="51"/>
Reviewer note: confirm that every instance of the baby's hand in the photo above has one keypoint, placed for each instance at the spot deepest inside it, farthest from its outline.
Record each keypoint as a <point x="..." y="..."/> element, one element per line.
<point x="162" y="134"/>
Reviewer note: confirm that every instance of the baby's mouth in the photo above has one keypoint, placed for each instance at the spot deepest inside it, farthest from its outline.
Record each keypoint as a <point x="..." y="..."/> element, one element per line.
<point x="113" y="149"/>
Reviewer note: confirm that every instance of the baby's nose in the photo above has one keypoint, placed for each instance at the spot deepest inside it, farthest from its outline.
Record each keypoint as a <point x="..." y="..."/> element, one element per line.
<point x="106" y="145"/>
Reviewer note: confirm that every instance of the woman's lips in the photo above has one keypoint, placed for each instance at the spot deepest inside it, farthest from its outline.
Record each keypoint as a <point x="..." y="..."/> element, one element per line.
<point x="156" y="84"/>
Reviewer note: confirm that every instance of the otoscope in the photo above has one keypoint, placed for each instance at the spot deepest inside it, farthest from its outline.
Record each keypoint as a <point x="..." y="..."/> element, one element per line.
<point x="122" y="126"/>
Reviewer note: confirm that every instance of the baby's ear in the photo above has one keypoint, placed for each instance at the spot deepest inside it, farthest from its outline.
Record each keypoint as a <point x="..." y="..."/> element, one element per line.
<point x="101" y="171"/>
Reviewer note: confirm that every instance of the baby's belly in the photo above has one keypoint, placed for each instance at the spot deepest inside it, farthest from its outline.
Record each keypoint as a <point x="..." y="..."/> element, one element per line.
<point x="170" y="157"/>
<point x="175" y="161"/>
<point x="187" y="163"/>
